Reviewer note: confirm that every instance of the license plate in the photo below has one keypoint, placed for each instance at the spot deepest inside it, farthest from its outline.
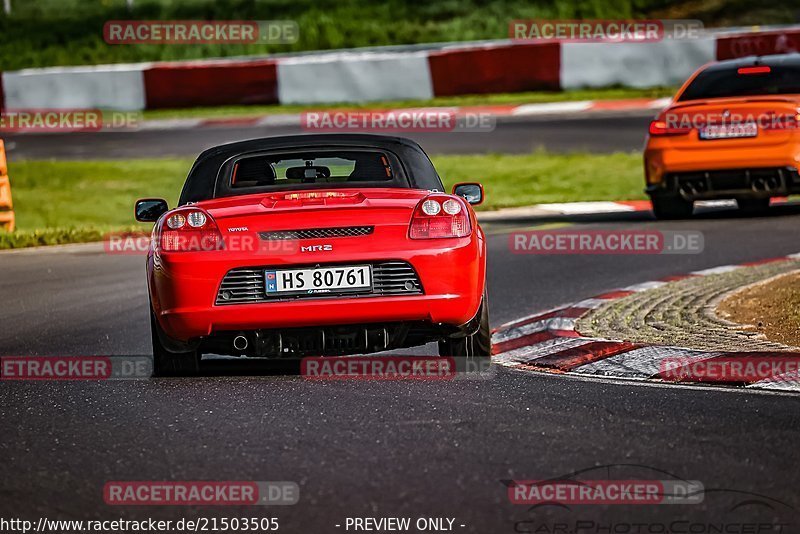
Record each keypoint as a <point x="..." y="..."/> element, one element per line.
<point x="344" y="279"/>
<point x="729" y="131"/>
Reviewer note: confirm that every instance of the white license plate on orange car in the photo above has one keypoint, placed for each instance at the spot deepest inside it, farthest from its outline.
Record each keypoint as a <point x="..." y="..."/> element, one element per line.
<point x="729" y="131"/>
<point x="341" y="279"/>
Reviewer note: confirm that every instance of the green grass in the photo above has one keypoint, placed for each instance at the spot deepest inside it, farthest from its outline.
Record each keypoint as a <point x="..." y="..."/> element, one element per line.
<point x="79" y="201"/>
<point x="49" y="236"/>
<point x="69" y="32"/>
<point x="52" y="194"/>
<point x="614" y="93"/>
<point x="522" y="180"/>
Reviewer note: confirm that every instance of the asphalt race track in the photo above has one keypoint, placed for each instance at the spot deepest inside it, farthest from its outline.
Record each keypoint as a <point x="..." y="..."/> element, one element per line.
<point x="593" y="132"/>
<point x="385" y="448"/>
<point x="379" y="448"/>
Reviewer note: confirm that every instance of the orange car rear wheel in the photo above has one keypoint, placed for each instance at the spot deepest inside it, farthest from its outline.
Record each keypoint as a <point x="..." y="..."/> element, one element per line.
<point x="753" y="206"/>
<point x="672" y="207"/>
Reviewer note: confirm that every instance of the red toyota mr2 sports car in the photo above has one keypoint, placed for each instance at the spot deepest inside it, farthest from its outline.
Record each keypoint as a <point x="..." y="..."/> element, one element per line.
<point x="315" y="245"/>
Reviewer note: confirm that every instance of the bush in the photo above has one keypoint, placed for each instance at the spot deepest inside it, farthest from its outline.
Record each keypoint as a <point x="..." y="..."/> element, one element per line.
<point x="69" y="32"/>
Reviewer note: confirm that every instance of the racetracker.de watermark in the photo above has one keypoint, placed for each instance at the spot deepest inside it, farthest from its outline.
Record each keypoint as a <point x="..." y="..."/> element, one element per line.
<point x="606" y="242"/>
<point x="606" y="492"/>
<point x="615" y="31"/>
<point x="177" y="32"/>
<point x="406" y="120"/>
<point x="201" y="493"/>
<point x="75" y="367"/>
<point x="139" y="243"/>
<point x="742" y="367"/>
<point x="675" y="121"/>
<point x="67" y="120"/>
<point x="394" y="367"/>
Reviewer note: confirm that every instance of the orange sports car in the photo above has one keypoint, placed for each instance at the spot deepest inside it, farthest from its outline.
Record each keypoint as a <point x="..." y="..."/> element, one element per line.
<point x="730" y="133"/>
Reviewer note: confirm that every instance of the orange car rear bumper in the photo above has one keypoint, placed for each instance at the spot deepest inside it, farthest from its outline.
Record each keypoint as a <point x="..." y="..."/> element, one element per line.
<point x="731" y="171"/>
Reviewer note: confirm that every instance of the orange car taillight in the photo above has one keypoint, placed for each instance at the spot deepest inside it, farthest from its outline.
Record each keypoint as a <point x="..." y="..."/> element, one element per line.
<point x="190" y="230"/>
<point x="440" y="216"/>
<point x="662" y="128"/>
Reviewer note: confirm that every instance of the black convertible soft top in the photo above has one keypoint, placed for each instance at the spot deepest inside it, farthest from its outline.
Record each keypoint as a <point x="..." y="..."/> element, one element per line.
<point x="203" y="182"/>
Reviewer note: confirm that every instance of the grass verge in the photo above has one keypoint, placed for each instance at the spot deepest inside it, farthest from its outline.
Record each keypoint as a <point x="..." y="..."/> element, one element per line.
<point x="78" y="201"/>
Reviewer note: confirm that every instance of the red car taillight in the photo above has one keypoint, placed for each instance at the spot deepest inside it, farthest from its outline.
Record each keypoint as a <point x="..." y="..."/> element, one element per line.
<point x="190" y="230"/>
<point x="440" y="216"/>
<point x="658" y="128"/>
<point x="757" y="69"/>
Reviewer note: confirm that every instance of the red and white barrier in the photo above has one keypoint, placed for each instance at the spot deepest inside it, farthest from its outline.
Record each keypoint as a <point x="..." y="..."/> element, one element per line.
<point x="354" y="77"/>
<point x="764" y="43"/>
<point x="364" y="76"/>
<point x="211" y="83"/>
<point x="105" y="87"/>
<point x="663" y="63"/>
<point x="496" y="68"/>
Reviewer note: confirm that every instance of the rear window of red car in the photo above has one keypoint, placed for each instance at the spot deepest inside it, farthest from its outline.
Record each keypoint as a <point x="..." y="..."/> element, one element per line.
<point x="324" y="167"/>
<point x="757" y="80"/>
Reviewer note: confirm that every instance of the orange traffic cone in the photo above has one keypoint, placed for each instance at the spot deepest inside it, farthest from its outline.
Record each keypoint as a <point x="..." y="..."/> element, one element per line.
<point x="6" y="206"/>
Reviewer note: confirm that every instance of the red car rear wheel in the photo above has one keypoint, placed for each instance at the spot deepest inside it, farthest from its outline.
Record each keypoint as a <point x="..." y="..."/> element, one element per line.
<point x="166" y="363"/>
<point x="478" y="344"/>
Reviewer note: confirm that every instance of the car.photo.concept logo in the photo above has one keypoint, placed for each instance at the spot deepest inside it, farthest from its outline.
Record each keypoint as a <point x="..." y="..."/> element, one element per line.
<point x="639" y="499"/>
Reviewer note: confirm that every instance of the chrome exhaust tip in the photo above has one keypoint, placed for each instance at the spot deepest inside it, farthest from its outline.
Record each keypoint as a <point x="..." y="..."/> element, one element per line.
<point x="240" y="343"/>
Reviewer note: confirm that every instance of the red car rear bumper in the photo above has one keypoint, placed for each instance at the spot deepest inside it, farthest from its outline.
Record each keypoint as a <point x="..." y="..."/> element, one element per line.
<point x="184" y="287"/>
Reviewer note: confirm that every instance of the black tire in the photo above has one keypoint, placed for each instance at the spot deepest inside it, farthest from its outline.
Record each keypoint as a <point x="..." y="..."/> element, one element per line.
<point x="753" y="206"/>
<point x="672" y="208"/>
<point x="477" y="345"/>
<point x="166" y="363"/>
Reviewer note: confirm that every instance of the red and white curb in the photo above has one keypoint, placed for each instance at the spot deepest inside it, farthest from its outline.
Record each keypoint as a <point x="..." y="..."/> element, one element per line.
<point x="549" y="342"/>
<point x="567" y="208"/>
<point x="296" y="119"/>
<point x="597" y="208"/>
<point x="630" y="104"/>
<point x="282" y="119"/>
<point x="524" y="110"/>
